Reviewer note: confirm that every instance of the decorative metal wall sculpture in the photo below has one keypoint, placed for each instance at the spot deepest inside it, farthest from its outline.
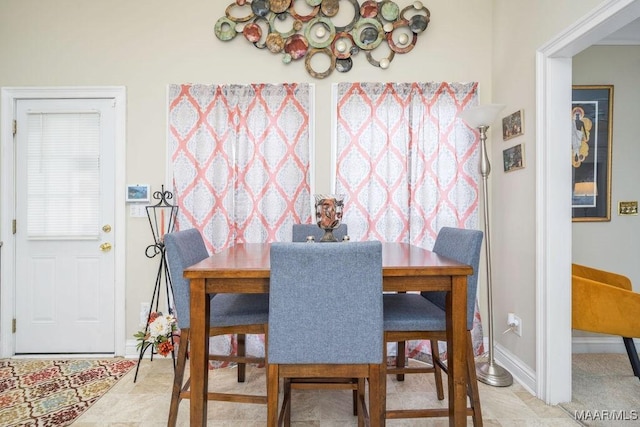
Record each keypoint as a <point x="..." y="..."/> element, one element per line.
<point x="278" y="26"/>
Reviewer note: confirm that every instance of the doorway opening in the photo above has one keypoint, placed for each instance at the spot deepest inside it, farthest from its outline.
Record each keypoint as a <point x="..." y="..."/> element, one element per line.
<point x="553" y="236"/>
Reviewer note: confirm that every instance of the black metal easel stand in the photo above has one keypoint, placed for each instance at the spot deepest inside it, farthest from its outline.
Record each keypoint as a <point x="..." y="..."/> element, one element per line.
<point x="161" y="220"/>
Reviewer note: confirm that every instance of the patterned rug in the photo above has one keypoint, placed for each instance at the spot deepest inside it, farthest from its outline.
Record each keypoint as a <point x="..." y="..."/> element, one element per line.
<point x="54" y="393"/>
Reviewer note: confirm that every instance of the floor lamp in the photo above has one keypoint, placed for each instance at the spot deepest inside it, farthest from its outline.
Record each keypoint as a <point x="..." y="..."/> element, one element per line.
<point x="481" y="118"/>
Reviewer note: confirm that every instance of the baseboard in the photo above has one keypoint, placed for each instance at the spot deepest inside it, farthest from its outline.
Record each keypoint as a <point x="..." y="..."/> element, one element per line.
<point x="600" y="344"/>
<point x="526" y="376"/>
<point x="521" y="373"/>
<point x="131" y="352"/>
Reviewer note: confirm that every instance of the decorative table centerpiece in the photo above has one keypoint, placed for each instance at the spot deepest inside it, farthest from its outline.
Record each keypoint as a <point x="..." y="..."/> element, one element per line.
<point x="329" y="214"/>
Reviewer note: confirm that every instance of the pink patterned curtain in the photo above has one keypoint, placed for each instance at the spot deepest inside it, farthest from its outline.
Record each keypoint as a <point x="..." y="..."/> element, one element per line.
<point x="407" y="165"/>
<point x="240" y="156"/>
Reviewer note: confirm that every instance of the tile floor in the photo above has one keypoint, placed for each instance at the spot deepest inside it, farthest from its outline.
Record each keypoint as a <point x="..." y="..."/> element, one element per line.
<point x="146" y="403"/>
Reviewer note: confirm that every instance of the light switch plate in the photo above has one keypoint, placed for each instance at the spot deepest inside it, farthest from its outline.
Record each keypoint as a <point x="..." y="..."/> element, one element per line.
<point x="137" y="211"/>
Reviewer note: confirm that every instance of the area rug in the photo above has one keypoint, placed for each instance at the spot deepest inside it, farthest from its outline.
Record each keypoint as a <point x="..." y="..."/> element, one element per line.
<point x="38" y="393"/>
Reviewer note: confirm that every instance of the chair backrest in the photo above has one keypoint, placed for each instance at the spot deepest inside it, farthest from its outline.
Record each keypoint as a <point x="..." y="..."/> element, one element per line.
<point x="325" y="303"/>
<point x="183" y="249"/>
<point x="301" y="231"/>
<point x="463" y="246"/>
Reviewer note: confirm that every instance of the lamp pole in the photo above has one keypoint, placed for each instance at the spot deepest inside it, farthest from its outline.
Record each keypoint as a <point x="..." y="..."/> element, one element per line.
<point x="489" y="372"/>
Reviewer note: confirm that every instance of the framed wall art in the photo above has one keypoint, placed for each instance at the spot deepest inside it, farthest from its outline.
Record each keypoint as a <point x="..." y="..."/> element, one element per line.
<point x="513" y="125"/>
<point x="513" y="158"/>
<point x="591" y="130"/>
<point x="137" y="193"/>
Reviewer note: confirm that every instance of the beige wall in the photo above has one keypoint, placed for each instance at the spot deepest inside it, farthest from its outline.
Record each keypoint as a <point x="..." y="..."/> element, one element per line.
<point x="612" y="245"/>
<point x="520" y="28"/>
<point x="146" y="45"/>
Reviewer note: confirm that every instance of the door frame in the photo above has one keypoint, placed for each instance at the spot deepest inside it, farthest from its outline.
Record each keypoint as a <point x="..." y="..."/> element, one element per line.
<point x="553" y="204"/>
<point x="8" y="98"/>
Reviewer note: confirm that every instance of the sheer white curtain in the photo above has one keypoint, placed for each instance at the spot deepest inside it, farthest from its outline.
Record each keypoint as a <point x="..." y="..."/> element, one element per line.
<point x="407" y="165"/>
<point x="241" y="166"/>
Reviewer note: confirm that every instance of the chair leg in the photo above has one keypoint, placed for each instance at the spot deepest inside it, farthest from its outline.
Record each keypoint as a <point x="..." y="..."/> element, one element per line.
<point x="377" y="393"/>
<point x="241" y="352"/>
<point x="633" y="355"/>
<point x="273" y="381"/>
<point x="472" y="387"/>
<point x="355" y="402"/>
<point x="401" y="359"/>
<point x="178" y="378"/>
<point x="382" y="387"/>
<point x="286" y="402"/>
<point x="437" y="370"/>
<point x="360" y="409"/>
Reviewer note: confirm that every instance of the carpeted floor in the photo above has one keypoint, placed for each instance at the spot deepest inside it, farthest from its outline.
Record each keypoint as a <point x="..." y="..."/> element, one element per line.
<point x="604" y="391"/>
<point x="39" y="393"/>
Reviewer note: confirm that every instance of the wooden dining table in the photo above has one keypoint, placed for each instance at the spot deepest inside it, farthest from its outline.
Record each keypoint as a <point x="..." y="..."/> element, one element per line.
<point x="245" y="268"/>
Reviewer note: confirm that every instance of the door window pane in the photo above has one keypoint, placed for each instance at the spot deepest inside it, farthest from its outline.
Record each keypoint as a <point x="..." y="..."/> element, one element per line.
<point x="63" y="157"/>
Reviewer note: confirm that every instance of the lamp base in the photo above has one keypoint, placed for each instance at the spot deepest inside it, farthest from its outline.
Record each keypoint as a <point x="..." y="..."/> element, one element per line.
<point x="493" y="374"/>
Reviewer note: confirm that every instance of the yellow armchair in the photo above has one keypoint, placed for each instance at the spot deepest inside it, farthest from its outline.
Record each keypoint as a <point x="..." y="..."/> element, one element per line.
<point x="605" y="303"/>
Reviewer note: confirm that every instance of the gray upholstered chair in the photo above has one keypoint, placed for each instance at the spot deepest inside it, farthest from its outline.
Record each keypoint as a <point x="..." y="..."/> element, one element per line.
<point x="325" y="320"/>
<point x="301" y="231"/>
<point x="230" y="314"/>
<point x="423" y="316"/>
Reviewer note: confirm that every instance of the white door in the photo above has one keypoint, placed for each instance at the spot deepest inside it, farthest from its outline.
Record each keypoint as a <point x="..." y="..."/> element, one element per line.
<point x="65" y="278"/>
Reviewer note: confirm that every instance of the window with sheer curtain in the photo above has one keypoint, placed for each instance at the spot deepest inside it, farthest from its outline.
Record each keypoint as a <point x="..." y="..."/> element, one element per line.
<point x="407" y="164"/>
<point x="241" y="166"/>
<point x="241" y="160"/>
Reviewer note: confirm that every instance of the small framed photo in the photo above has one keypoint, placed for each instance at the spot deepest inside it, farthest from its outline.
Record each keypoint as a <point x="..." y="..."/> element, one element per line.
<point x="513" y="125"/>
<point x="513" y="158"/>
<point x="138" y="193"/>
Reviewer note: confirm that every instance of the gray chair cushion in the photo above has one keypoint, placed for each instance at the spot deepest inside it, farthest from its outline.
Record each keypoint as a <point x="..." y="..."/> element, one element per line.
<point x="426" y="311"/>
<point x="301" y="231"/>
<point x="239" y="309"/>
<point x="464" y="246"/>
<point x="412" y="312"/>
<point x="185" y="248"/>
<point x="325" y="303"/>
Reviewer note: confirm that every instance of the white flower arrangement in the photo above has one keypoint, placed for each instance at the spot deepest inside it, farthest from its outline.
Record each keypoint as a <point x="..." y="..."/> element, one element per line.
<point x="158" y="333"/>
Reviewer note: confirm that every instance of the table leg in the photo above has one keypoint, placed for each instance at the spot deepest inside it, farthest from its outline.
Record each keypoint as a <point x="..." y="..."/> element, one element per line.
<point x="456" y="352"/>
<point x="199" y="348"/>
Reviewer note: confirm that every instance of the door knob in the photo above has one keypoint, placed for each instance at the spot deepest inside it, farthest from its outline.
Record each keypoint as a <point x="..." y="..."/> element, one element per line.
<point x="105" y="247"/>
<point x="106" y="228"/>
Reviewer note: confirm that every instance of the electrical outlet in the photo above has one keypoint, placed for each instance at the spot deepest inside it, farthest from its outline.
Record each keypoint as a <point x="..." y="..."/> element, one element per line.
<point x="144" y="312"/>
<point x="515" y="324"/>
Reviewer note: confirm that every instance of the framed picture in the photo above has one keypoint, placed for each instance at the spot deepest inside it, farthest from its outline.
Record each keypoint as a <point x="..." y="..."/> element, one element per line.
<point x="513" y="158"/>
<point x="138" y="193"/>
<point x="591" y="129"/>
<point x="513" y="125"/>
